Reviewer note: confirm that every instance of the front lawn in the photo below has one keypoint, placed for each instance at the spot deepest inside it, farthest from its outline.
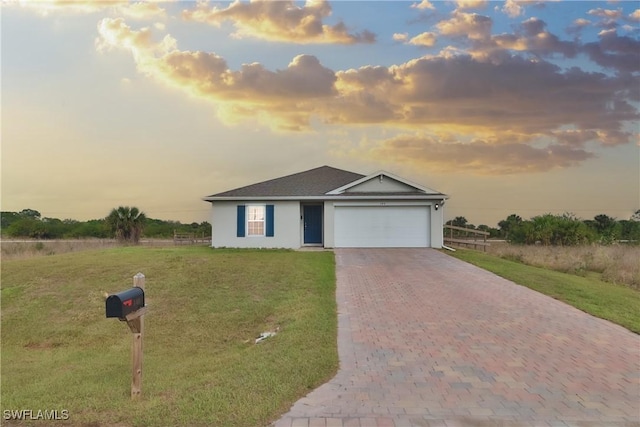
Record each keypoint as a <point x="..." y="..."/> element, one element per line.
<point x="201" y="366"/>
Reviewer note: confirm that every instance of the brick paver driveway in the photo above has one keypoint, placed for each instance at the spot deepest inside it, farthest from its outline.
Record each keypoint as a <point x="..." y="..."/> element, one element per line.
<point x="425" y="339"/>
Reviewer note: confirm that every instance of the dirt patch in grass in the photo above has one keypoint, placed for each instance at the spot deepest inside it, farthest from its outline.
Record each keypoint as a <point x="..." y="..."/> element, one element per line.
<point x="45" y="345"/>
<point x="24" y="249"/>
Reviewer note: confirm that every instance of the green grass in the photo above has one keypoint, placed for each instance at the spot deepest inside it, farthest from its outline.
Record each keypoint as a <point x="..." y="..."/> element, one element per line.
<point x="201" y="366"/>
<point x="616" y="303"/>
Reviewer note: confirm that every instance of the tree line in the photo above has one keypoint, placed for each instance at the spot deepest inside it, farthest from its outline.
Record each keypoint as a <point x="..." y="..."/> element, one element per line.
<point x="130" y="224"/>
<point x="123" y="223"/>
<point x="566" y="229"/>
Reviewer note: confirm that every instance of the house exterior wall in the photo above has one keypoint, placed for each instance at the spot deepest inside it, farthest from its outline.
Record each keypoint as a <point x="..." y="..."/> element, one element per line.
<point x="437" y="223"/>
<point x="286" y="225"/>
<point x="328" y="237"/>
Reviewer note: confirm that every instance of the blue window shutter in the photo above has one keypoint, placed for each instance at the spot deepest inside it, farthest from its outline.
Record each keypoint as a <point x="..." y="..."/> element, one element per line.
<point x="241" y="221"/>
<point x="269" y="219"/>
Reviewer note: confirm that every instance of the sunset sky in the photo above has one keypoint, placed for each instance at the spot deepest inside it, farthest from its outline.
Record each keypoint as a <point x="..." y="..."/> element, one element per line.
<point x="519" y="107"/>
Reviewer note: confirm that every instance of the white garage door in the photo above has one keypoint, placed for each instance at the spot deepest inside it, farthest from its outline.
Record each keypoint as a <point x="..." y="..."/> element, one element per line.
<point x="382" y="226"/>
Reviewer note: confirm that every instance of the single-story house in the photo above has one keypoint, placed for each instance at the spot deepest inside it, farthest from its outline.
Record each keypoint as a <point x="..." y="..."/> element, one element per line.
<point x="330" y="208"/>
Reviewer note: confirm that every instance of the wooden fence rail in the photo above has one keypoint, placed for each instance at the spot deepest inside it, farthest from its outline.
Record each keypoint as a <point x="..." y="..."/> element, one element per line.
<point x="190" y="238"/>
<point x="466" y="237"/>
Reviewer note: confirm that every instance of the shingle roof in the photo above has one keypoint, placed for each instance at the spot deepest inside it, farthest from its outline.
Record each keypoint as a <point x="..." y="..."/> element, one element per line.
<point x="314" y="182"/>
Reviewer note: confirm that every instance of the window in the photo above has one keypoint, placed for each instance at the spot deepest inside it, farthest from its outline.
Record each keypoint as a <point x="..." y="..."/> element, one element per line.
<point x="255" y="220"/>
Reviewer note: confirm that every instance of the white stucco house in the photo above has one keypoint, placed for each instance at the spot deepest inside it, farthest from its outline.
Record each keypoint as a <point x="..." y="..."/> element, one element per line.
<point x="330" y="208"/>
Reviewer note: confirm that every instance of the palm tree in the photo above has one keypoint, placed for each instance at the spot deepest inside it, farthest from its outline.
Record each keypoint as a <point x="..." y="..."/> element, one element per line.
<point x="126" y="223"/>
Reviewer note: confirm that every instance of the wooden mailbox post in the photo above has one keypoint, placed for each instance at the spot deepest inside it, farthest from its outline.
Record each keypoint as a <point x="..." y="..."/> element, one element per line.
<point x="136" y="324"/>
<point x="129" y="306"/>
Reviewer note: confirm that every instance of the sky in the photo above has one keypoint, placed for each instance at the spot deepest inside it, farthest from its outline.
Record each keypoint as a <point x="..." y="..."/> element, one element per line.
<point x="515" y="107"/>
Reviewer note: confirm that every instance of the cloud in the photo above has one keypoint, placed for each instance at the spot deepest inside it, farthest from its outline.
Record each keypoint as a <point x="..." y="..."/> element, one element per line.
<point x="575" y="138"/>
<point x="635" y="15"/>
<point x="208" y="74"/>
<point x="577" y="26"/>
<point x="471" y="4"/>
<point x="515" y="8"/>
<point x="400" y="37"/>
<point x="514" y="102"/>
<point x="533" y="38"/>
<point x="134" y="10"/>
<point x="530" y="37"/>
<point x="470" y="25"/>
<point x="281" y="21"/>
<point x="287" y="95"/>
<point x="608" y="18"/>
<point x="72" y="6"/>
<point x="477" y="157"/>
<point x="532" y="97"/>
<point x="581" y="22"/>
<point x="424" y="4"/>
<point x="533" y="27"/>
<point x="142" y="10"/>
<point x="115" y="33"/>
<point x="606" y="13"/>
<point x="620" y="53"/>
<point x="512" y="8"/>
<point x="424" y="39"/>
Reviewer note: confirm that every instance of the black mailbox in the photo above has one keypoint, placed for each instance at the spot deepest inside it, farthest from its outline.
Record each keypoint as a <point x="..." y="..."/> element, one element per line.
<point x="125" y="302"/>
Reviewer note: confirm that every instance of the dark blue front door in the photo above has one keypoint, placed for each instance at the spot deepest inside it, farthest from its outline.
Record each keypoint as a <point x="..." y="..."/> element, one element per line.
<point x="312" y="219"/>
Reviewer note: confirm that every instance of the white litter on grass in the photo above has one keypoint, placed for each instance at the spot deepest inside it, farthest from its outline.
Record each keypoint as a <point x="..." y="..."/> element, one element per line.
<point x="263" y="336"/>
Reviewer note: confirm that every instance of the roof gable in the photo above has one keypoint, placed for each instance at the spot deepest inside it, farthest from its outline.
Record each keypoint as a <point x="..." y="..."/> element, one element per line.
<point x="383" y="182"/>
<point x="314" y="182"/>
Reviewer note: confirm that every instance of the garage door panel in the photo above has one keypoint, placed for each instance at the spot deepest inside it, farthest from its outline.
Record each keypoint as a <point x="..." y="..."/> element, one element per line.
<point x="382" y="226"/>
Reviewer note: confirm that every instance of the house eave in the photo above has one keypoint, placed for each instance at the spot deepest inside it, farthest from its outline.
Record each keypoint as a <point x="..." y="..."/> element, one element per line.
<point x="438" y="196"/>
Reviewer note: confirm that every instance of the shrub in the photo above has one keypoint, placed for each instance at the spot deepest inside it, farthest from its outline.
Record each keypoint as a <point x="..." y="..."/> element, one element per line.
<point x="562" y="230"/>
